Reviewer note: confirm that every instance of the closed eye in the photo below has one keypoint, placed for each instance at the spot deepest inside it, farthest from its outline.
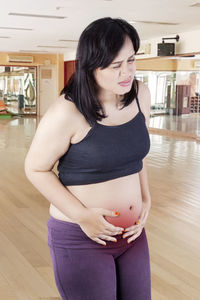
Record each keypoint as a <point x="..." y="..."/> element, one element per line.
<point x="130" y="61"/>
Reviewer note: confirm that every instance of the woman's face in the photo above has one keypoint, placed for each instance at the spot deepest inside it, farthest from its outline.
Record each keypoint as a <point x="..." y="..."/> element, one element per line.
<point x="118" y="77"/>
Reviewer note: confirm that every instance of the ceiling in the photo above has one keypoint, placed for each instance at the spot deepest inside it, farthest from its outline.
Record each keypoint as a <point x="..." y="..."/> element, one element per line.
<point x="58" y="35"/>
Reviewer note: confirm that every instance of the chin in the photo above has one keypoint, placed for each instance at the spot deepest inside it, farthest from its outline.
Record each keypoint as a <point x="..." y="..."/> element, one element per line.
<point x="125" y="90"/>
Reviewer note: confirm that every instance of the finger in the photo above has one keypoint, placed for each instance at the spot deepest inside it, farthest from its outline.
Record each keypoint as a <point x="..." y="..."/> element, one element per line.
<point x="147" y="213"/>
<point x="144" y="212"/>
<point x="142" y="215"/>
<point x="145" y="218"/>
<point x="133" y="227"/>
<point x="130" y="233"/>
<point x="142" y="219"/>
<point x="97" y="240"/>
<point x="114" y="232"/>
<point x="107" y="238"/>
<point x="112" y="228"/>
<point x="134" y="237"/>
<point x="107" y="232"/>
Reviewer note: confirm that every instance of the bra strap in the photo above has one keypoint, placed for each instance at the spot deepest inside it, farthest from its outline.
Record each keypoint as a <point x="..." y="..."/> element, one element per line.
<point x="138" y="103"/>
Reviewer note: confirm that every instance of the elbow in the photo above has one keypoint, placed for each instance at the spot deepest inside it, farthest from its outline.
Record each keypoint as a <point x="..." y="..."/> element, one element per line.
<point x="29" y="166"/>
<point x="32" y="168"/>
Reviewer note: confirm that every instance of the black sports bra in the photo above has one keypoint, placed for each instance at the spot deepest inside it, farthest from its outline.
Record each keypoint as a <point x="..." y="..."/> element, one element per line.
<point x="106" y="152"/>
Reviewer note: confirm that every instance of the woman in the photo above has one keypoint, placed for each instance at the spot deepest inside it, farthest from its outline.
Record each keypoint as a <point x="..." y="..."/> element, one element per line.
<point x="97" y="129"/>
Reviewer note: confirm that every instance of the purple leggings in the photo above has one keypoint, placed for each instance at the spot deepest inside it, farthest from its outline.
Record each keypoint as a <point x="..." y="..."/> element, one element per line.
<point x="86" y="270"/>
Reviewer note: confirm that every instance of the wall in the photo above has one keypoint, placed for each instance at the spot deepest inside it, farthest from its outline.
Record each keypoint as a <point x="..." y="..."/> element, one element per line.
<point x="166" y="64"/>
<point x="70" y="55"/>
<point x="54" y="61"/>
<point x="60" y="64"/>
<point x="189" y="43"/>
<point x="39" y="60"/>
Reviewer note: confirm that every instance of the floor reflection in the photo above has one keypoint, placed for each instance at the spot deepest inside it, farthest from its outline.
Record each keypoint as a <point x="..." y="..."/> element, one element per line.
<point x="185" y="123"/>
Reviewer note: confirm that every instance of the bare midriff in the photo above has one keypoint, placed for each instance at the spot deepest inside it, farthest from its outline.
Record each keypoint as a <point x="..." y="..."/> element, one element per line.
<point x="122" y="194"/>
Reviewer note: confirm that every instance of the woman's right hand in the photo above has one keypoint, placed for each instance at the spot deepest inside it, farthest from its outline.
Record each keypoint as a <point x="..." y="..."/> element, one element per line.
<point x="96" y="227"/>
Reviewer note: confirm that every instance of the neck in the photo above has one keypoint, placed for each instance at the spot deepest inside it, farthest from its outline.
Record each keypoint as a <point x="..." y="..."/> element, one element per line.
<point x="110" y="100"/>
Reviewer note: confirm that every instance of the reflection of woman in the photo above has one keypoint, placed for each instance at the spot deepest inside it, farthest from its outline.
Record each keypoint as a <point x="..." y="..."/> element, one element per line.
<point x="101" y="170"/>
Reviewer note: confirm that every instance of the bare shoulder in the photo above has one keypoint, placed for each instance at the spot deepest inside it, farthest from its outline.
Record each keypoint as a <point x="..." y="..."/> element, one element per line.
<point x="62" y="112"/>
<point x="144" y="98"/>
<point x="53" y="135"/>
<point x="63" y="107"/>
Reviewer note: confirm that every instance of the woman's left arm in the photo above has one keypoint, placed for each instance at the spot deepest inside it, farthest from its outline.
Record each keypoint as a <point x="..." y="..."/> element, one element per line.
<point x="146" y="198"/>
<point x="145" y="106"/>
<point x="135" y="230"/>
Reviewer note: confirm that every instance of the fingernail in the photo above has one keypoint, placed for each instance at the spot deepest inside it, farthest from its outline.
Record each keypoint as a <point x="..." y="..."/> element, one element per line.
<point x="137" y="222"/>
<point x="115" y="241"/>
<point x="116" y="213"/>
<point x="105" y="245"/>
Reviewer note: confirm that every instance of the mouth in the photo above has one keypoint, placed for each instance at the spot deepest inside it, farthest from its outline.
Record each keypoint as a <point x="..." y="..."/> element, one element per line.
<point x="125" y="83"/>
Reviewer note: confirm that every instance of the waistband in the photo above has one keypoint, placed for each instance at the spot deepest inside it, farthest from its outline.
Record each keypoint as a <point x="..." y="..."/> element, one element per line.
<point x="56" y="223"/>
<point x="72" y="228"/>
<point x="70" y="235"/>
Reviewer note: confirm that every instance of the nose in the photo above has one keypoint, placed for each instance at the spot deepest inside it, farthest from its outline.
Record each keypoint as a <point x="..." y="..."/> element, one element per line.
<point x="125" y="70"/>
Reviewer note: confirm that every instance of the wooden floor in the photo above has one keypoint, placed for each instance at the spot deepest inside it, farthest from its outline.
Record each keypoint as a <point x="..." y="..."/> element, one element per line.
<point x="172" y="228"/>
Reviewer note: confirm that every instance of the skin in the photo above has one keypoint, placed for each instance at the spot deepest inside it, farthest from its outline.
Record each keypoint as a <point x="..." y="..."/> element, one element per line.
<point x="132" y="189"/>
<point x="129" y="195"/>
<point x="122" y="68"/>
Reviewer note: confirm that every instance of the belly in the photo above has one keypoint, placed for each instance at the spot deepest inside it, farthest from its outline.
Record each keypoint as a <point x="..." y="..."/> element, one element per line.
<point x="122" y="194"/>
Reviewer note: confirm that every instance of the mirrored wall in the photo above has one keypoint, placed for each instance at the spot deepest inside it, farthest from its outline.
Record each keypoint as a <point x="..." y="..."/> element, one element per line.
<point x="18" y="90"/>
<point x="175" y="99"/>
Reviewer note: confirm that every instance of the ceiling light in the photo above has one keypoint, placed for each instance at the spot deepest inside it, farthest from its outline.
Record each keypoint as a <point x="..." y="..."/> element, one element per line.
<point x="75" y="41"/>
<point x="36" y="16"/>
<point x="197" y="4"/>
<point x="15" y="28"/>
<point x="51" y="46"/>
<point x="59" y="7"/>
<point x="154" y="22"/>
<point x="33" y="51"/>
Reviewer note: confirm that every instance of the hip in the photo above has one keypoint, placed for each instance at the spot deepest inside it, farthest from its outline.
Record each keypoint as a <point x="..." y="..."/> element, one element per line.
<point x="67" y="235"/>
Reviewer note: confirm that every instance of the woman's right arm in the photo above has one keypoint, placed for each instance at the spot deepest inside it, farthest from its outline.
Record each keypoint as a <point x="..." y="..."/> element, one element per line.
<point x="51" y="141"/>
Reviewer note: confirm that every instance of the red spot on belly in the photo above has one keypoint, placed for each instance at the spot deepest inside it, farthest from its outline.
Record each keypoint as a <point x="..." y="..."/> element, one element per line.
<point x="127" y="217"/>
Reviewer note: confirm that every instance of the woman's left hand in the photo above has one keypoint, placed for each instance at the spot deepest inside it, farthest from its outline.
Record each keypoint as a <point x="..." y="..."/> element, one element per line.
<point x="135" y="230"/>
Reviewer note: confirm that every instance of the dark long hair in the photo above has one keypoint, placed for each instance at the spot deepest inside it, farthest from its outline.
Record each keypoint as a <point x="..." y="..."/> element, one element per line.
<point x="98" y="45"/>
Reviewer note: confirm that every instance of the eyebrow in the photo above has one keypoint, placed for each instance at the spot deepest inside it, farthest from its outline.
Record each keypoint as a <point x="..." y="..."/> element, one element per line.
<point x="117" y="62"/>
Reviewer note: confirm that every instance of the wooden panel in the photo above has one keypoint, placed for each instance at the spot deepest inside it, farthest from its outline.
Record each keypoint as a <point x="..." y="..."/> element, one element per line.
<point x="69" y="68"/>
<point x="183" y="99"/>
